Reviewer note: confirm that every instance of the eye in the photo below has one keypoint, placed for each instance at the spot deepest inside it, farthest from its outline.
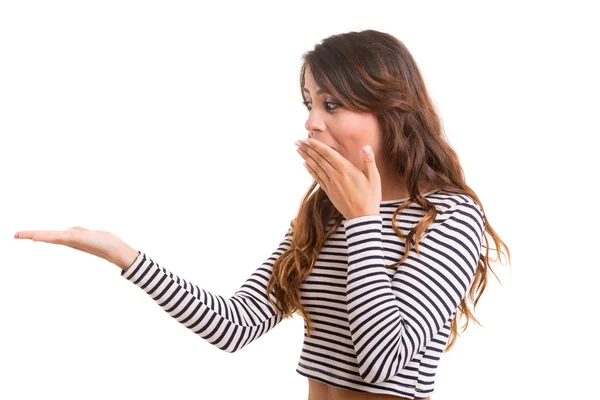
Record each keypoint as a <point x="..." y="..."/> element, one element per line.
<point x="329" y="105"/>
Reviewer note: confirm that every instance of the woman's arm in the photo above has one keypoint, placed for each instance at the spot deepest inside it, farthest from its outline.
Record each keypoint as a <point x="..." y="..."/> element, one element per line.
<point x="391" y="322"/>
<point x="230" y="323"/>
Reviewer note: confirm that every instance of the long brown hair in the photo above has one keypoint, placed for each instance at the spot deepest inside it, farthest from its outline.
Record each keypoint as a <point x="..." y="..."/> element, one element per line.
<point x="372" y="71"/>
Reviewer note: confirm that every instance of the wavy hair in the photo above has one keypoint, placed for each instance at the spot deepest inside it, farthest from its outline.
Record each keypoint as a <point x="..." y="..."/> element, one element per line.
<point x="372" y="71"/>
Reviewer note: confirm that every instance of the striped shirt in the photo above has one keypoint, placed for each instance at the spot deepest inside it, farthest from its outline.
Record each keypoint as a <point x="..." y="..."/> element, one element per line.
<point x="376" y="329"/>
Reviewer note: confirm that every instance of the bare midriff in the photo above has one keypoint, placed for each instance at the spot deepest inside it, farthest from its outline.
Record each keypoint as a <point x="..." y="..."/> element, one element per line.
<point x="320" y="391"/>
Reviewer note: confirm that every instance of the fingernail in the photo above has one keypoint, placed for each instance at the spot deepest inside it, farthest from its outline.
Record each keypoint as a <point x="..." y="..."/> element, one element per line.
<point x="366" y="149"/>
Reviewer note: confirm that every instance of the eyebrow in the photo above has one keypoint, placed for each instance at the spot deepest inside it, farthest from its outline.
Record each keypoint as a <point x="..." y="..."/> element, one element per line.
<point x="319" y="91"/>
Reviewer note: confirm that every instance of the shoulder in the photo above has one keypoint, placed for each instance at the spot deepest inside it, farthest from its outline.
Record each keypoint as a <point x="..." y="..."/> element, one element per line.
<point x="448" y="203"/>
<point x="458" y="210"/>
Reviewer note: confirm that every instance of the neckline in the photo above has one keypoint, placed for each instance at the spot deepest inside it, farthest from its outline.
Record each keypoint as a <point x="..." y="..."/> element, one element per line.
<point x="387" y="202"/>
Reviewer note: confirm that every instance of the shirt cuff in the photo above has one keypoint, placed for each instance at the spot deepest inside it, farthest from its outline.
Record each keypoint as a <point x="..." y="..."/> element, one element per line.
<point x="127" y="273"/>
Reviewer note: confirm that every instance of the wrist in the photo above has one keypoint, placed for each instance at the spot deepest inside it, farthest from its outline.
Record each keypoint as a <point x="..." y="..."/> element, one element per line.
<point x="126" y="256"/>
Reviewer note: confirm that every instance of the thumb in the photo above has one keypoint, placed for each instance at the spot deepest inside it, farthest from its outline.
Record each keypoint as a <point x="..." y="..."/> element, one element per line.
<point x="370" y="168"/>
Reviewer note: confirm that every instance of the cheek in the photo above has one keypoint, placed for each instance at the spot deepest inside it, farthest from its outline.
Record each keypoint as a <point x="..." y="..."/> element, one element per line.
<point x="355" y="132"/>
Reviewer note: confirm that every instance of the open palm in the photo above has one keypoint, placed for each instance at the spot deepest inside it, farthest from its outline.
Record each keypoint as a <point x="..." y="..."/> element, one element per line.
<point x="100" y="243"/>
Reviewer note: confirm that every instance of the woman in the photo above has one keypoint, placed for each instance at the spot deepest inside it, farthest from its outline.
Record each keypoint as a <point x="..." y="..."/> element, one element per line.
<point x="382" y="252"/>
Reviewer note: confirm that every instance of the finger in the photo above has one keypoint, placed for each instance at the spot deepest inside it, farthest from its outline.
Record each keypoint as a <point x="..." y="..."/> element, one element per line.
<point x="321" y="176"/>
<point x="370" y="165"/>
<point x="315" y="169"/>
<point x="316" y="176"/>
<point x="318" y="163"/>
<point x="29" y="234"/>
<point x="56" y="237"/>
<point x="330" y="160"/>
<point x="79" y="228"/>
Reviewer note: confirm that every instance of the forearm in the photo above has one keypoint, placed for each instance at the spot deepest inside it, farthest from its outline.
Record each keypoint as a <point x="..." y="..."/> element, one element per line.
<point x="230" y="323"/>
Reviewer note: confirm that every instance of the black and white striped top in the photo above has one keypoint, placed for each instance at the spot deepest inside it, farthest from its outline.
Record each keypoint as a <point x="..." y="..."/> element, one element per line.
<point x="376" y="330"/>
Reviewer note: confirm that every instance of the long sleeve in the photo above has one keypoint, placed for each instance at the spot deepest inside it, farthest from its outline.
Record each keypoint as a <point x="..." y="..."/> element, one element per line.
<point x="391" y="322"/>
<point x="228" y="323"/>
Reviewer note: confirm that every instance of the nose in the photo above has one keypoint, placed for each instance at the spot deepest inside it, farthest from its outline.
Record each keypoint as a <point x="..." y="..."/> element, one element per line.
<point x="314" y="123"/>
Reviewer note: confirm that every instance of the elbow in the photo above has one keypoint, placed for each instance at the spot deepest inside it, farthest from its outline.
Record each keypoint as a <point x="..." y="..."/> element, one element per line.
<point x="375" y="372"/>
<point x="229" y="344"/>
<point x="372" y="378"/>
<point x="229" y="350"/>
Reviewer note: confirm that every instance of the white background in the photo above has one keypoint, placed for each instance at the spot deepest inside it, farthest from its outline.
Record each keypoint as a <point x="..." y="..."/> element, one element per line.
<point x="172" y="125"/>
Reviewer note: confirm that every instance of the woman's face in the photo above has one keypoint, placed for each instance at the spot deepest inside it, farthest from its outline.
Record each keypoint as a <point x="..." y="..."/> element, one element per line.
<point x="341" y="129"/>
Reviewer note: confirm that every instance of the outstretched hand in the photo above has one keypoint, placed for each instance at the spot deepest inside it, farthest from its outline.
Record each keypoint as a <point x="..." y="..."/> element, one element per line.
<point x="354" y="192"/>
<point x="99" y="243"/>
